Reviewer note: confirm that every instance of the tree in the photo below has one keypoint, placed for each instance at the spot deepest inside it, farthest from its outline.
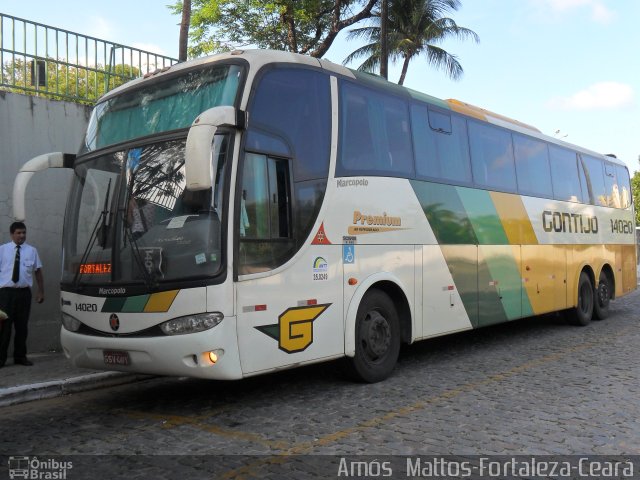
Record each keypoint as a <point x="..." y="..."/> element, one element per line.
<point x="81" y="83"/>
<point x="635" y="189"/>
<point x="415" y="27"/>
<point x="184" y="30"/>
<point x="300" y="26"/>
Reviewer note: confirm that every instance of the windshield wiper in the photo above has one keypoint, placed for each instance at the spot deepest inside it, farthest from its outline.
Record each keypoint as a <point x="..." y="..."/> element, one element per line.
<point x="99" y="229"/>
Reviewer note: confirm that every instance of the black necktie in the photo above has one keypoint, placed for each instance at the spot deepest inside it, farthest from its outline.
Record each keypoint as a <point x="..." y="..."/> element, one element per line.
<point x="16" y="266"/>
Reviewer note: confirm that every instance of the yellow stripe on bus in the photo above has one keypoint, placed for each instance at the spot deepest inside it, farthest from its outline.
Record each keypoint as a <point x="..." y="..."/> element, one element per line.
<point x="160" y="302"/>
<point x="514" y="219"/>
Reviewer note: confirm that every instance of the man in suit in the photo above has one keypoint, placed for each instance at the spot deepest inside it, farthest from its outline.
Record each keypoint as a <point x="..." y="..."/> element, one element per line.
<point x="19" y="264"/>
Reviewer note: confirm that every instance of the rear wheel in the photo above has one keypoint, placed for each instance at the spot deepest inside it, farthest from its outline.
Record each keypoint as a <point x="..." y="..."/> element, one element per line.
<point x="377" y="338"/>
<point x="602" y="298"/>
<point x="581" y="314"/>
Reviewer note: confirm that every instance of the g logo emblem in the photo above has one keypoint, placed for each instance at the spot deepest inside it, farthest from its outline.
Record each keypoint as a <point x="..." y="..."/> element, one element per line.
<point x="294" y="331"/>
<point x="114" y="322"/>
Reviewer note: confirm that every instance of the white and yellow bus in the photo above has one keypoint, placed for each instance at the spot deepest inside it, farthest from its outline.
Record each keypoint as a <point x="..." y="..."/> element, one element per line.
<point x="257" y="210"/>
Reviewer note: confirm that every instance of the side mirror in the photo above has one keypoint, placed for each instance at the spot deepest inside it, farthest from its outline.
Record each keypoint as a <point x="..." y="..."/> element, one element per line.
<point x="199" y="166"/>
<point x="36" y="164"/>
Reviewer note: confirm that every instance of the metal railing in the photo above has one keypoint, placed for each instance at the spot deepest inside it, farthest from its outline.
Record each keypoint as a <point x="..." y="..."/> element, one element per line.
<point x="47" y="61"/>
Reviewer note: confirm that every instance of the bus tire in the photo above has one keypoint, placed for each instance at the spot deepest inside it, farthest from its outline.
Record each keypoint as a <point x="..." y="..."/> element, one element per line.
<point x="602" y="297"/>
<point x="583" y="311"/>
<point x="377" y="338"/>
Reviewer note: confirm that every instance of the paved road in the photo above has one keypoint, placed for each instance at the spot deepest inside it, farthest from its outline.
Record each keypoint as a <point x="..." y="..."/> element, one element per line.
<point x="537" y="386"/>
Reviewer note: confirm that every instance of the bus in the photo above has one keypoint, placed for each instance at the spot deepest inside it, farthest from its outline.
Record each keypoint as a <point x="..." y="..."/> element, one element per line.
<point x="258" y="210"/>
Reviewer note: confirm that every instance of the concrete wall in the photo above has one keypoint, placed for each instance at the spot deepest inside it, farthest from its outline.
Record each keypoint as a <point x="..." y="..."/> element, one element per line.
<point x="30" y="126"/>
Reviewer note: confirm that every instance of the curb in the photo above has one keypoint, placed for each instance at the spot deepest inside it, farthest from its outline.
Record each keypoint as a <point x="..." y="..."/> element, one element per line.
<point x="58" y="388"/>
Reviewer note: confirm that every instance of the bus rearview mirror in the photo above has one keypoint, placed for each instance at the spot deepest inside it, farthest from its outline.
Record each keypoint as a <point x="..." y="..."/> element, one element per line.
<point x="199" y="164"/>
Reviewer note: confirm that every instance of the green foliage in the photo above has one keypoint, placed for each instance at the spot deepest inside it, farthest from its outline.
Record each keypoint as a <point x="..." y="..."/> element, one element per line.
<point x="635" y="189"/>
<point x="416" y="27"/>
<point x="301" y="26"/>
<point x="82" y="84"/>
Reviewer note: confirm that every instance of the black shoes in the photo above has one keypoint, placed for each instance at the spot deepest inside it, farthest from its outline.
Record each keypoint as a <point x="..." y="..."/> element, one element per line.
<point x="23" y="361"/>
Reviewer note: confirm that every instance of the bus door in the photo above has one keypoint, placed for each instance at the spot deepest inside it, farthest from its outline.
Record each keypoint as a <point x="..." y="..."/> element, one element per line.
<point x="288" y="295"/>
<point x="293" y="316"/>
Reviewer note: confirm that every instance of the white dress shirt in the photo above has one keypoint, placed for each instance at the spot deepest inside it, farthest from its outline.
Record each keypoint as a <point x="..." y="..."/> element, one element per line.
<point x="29" y="263"/>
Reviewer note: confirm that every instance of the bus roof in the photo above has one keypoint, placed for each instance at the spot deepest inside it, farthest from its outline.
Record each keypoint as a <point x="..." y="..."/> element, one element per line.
<point x="258" y="58"/>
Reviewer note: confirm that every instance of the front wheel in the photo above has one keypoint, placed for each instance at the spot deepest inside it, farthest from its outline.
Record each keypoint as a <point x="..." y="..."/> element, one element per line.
<point x="377" y="338"/>
<point x="582" y="313"/>
<point x="603" y="298"/>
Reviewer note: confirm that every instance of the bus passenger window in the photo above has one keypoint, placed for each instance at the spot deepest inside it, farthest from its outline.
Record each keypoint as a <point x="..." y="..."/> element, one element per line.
<point x="492" y="157"/>
<point x="532" y="166"/>
<point x="624" y="187"/>
<point x="611" y="186"/>
<point x="594" y="171"/>
<point x="565" y="179"/>
<point x="374" y="134"/>
<point x="441" y="154"/>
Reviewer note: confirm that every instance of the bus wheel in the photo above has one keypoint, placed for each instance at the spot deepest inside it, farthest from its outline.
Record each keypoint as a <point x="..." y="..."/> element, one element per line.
<point x="581" y="314"/>
<point x="377" y="338"/>
<point x="603" y="297"/>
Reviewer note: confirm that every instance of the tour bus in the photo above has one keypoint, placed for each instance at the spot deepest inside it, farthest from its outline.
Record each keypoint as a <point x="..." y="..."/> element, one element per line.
<point x="257" y="210"/>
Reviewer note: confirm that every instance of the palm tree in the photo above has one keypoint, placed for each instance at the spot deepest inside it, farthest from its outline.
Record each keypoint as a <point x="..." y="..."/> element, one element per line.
<point x="415" y="27"/>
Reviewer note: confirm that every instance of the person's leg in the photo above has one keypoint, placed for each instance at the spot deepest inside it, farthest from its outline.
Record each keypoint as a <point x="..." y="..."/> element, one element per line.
<point x="21" y="320"/>
<point x="5" y="326"/>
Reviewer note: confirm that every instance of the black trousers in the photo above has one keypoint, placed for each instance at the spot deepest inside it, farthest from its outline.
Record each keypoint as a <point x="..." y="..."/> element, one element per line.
<point x="16" y="303"/>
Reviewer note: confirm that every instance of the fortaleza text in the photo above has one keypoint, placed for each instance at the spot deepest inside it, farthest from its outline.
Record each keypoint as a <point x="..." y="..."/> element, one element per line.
<point x="486" y="467"/>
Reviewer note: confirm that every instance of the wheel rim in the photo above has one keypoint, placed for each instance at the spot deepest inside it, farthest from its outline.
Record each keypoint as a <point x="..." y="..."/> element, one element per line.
<point x="603" y="294"/>
<point x="376" y="336"/>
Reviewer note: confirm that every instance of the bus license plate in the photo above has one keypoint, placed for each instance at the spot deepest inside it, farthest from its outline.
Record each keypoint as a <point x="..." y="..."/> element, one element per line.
<point x="116" y="357"/>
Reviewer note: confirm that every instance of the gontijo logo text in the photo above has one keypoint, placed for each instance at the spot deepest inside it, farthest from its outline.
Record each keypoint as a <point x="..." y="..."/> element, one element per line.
<point x="564" y="222"/>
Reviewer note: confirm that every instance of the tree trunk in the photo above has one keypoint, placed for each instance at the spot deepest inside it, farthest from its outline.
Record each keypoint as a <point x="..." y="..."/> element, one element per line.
<point x="337" y="25"/>
<point x="405" y="67"/>
<point x="184" y="30"/>
<point x="289" y="21"/>
<point x="384" y="50"/>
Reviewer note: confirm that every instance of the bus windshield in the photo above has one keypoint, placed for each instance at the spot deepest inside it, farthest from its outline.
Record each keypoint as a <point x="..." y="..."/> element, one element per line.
<point x="131" y="220"/>
<point x="167" y="105"/>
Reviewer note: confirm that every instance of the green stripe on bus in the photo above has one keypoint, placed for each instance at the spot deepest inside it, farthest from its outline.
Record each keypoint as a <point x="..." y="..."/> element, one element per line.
<point x="113" y="304"/>
<point x="483" y="216"/>
<point x="135" y="304"/>
<point x="445" y="212"/>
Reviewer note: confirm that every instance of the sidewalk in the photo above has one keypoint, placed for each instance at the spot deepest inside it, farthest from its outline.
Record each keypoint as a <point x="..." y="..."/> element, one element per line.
<point x="52" y="375"/>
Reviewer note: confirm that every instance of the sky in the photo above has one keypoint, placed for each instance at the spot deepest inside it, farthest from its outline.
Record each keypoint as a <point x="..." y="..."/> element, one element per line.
<point x="571" y="68"/>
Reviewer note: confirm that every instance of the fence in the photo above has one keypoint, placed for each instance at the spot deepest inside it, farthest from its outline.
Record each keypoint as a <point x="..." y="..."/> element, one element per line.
<point x="55" y="63"/>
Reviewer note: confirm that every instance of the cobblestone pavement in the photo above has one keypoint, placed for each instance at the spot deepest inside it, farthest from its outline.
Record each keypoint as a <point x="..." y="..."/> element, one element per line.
<point x="531" y="387"/>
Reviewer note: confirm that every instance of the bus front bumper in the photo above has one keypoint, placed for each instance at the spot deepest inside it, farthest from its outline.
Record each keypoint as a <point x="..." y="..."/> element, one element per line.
<point x="177" y="355"/>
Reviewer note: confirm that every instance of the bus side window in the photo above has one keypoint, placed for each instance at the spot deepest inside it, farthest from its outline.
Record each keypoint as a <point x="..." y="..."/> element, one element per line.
<point x="532" y="166"/>
<point x="374" y="133"/>
<point x="624" y="186"/>
<point x="492" y="157"/>
<point x="441" y="146"/>
<point x="611" y="186"/>
<point x="566" y="177"/>
<point x="594" y="170"/>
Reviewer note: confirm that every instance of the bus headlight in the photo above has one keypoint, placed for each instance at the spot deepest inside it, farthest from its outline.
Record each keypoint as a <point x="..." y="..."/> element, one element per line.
<point x="70" y="323"/>
<point x="191" y="323"/>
